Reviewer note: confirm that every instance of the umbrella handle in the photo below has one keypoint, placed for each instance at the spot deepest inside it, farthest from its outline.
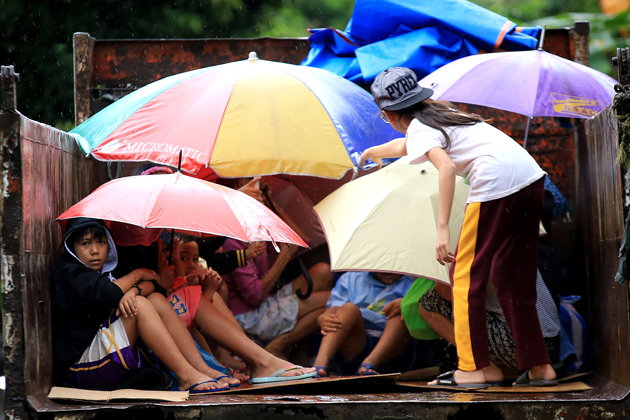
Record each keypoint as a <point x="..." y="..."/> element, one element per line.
<point x="309" y="281"/>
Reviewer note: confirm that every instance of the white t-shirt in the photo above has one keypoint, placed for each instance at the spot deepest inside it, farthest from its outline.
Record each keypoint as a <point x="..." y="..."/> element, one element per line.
<point x="494" y="164"/>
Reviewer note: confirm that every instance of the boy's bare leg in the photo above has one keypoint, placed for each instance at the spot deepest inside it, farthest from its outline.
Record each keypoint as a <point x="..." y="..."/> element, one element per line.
<point x="148" y="325"/>
<point x="394" y="341"/>
<point x="183" y="339"/>
<point x="304" y="327"/>
<point x="349" y="339"/>
<point x="233" y="339"/>
<point x="323" y="279"/>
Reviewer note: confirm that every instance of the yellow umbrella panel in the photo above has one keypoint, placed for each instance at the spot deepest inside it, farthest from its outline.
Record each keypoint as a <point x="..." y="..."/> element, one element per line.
<point x="387" y="221"/>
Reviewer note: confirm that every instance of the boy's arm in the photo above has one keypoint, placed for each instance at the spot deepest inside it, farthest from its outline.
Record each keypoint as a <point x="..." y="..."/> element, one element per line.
<point x="392" y="149"/>
<point x="137" y="276"/>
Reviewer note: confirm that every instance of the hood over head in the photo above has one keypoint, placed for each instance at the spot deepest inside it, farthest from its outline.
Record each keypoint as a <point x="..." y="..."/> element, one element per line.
<point x="83" y="222"/>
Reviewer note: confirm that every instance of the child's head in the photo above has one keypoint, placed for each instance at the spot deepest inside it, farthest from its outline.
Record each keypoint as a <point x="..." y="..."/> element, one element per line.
<point x="189" y="253"/>
<point x="387" y="278"/>
<point x="90" y="247"/>
<point x="89" y="241"/>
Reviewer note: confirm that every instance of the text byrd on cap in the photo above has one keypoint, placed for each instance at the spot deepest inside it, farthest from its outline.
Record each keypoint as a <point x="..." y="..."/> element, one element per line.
<point x="397" y="88"/>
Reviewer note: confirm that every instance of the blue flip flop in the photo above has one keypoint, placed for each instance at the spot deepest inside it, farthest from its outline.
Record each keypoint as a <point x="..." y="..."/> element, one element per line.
<point x="368" y="366"/>
<point x="227" y="376"/>
<point x="275" y="377"/>
<point x="325" y="369"/>
<point x="204" y="391"/>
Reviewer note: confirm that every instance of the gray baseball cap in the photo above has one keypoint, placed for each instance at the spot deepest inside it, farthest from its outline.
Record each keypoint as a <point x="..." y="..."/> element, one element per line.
<point x="398" y="88"/>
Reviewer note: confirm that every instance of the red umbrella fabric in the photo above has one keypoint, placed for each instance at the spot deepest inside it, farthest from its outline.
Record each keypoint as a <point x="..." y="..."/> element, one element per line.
<point x="183" y="203"/>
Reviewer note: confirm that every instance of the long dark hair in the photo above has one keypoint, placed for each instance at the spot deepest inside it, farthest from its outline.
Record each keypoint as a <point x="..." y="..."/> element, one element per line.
<point x="440" y="114"/>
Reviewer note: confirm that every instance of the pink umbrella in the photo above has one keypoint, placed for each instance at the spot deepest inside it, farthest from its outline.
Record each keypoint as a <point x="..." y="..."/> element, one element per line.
<point x="183" y="203"/>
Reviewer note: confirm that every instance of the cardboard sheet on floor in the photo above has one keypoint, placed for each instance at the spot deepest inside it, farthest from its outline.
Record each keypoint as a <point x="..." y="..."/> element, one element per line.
<point x="420" y="374"/>
<point x="562" y="387"/>
<point x="121" y="395"/>
<point x="313" y="382"/>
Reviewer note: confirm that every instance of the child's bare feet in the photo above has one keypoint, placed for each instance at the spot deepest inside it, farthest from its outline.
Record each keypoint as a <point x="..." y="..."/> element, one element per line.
<point x="276" y="364"/>
<point x="241" y="377"/>
<point x="363" y="370"/>
<point x="226" y="380"/>
<point x="493" y="373"/>
<point x="184" y="384"/>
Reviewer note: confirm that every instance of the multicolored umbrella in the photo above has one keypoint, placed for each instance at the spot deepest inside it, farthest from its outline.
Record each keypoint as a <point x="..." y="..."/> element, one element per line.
<point x="245" y="118"/>
<point x="185" y="204"/>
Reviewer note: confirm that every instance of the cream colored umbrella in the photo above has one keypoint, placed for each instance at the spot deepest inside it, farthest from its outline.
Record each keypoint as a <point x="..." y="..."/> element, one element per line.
<point x="387" y="221"/>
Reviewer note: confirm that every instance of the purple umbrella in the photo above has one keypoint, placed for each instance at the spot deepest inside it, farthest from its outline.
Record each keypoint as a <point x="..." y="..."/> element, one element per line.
<point x="532" y="83"/>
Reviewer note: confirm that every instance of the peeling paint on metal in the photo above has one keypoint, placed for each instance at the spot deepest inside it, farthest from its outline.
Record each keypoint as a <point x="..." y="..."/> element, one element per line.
<point x="5" y="182"/>
<point x="8" y="330"/>
<point x="7" y="279"/>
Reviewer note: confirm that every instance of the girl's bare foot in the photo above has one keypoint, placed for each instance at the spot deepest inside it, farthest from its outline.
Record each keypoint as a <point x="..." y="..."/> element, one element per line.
<point x="275" y="364"/>
<point x="184" y="384"/>
<point x="544" y="372"/>
<point x="363" y="369"/>
<point x="240" y="376"/>
<point x="321" y="363"/>
<point x="226" y="380"/>
<point x="493" y="373"/>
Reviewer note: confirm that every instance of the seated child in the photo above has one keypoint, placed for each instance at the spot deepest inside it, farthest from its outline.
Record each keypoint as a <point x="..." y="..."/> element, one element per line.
<point x="362" y="327"/>
<point x="280" y="319"/>
<point x="212" y="288"/>
<point x="198" y="306"/>
<point x="436" y="309"/>
<point x="97" y="320"/>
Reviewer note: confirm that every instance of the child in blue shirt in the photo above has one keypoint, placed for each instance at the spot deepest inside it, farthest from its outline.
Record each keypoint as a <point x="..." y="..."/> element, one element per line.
<point x="362" y="326"/>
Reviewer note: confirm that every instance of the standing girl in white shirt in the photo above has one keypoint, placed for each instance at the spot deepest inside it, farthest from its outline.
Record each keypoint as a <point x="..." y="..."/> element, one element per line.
<point x="500" y="229"/>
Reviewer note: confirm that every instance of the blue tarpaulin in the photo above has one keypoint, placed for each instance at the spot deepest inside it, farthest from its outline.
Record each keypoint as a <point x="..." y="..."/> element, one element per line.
<point x="420" y="34"/>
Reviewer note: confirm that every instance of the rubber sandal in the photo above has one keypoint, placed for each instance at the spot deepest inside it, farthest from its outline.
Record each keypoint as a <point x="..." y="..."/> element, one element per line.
<point x="204" y="391"/>
<point x="275" y="377"/>
<point x="325" y="369"/>
<point x="367" y="366"/>
<point x="227" y="376"/>
<point x="448" y="380"/>
<point x="524" y="380"/>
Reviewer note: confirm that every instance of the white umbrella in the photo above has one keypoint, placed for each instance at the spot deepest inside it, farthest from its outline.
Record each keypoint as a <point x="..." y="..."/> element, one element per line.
<point x="387" y="221"/>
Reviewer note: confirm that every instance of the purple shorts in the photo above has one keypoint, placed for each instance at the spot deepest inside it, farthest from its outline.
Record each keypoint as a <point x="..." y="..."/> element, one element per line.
<point x="109" y="358"/>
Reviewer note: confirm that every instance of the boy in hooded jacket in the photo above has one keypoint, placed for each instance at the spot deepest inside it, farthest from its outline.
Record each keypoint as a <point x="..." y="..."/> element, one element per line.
<point x="97" y="320"/>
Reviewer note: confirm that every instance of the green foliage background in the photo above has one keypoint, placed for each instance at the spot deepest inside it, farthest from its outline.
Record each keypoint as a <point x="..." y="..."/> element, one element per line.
<point x="36" y="37"/>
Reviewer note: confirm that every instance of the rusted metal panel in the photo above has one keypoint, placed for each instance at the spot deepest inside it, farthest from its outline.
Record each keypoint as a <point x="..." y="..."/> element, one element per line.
<point x="43" y="174"/>
<point x="54" y="176"/>
<point x="599" y="217"/>
<point x="11" y="245"/>
<point x="121" y="66"/>
<point x="83" y="45"/>
<point x="579" y="35"/>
